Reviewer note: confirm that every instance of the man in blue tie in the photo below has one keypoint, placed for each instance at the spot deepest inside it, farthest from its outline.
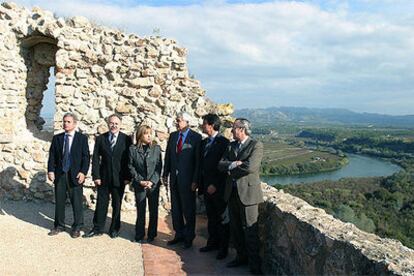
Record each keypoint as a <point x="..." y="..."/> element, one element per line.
<point x="110" y="174"/>
<point x="212" y="184"/>
<point x="68" y="165"/>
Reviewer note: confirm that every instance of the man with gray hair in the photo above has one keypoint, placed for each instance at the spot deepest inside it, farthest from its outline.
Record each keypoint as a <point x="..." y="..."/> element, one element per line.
<point x="182" y="168"/>
<point x="110" y="174"/>
<point x="241" y="161"/>
<point x="67" y="167"/>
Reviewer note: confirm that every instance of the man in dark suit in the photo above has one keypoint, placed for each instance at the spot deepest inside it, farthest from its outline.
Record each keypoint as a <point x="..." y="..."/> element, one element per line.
<point x="182" y="165"/>
<point x="212" y="183"/>
<point x="67" y="167"/>
<point x="241" y="161"/>
<point x="110" y="174"/>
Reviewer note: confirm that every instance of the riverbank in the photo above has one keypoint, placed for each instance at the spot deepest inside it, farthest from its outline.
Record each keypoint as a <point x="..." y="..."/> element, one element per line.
<point x="358" y="166"/>
<point x="283" y="159"/>
<point x="381" y="205"/>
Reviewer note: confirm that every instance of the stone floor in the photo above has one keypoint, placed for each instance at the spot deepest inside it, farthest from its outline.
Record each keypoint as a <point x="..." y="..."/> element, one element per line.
<point x="25" y="247"/>
<point x="160" y="259"/>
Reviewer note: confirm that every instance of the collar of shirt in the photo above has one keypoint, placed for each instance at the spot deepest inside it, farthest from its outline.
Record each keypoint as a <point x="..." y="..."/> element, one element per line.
<point x="71" y="133"/>
<point x="184" y="134"/>
<point x="113" y="134"/>
<point x="212" y="137"/>
<point x="244" y="141"/>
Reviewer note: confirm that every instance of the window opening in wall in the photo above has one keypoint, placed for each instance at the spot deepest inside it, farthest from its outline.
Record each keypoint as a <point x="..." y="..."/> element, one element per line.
<point x="48" y="108"/>
<point x="39" y="53"/>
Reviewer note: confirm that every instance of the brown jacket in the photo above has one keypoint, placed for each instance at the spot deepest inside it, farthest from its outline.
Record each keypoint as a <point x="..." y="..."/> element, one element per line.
<point x="246" y="175"/>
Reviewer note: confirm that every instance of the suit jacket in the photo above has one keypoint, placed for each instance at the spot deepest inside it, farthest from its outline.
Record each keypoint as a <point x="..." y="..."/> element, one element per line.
<point x="246" y="175"/>
<point x="145" y="166"/>
<point x="111" y="166"/>
<point x="79" y="153"/>
<point x="209" y="173"/>
<point x="186" y="163"/>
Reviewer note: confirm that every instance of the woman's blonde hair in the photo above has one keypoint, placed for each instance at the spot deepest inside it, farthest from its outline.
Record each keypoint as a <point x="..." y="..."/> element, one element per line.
<point x="140" y="133"/>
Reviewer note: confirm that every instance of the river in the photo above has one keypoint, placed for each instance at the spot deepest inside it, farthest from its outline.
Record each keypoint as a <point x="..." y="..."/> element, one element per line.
<point x="358" y="166"/>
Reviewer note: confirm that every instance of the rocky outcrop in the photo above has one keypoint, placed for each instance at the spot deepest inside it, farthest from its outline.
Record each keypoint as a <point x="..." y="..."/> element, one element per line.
<point x="298" y="239"/>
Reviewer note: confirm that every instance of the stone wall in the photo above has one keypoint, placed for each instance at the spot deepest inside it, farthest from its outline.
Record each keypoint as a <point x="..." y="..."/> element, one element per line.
<point x="298" y="239"/>
<point x="98" y="71"/>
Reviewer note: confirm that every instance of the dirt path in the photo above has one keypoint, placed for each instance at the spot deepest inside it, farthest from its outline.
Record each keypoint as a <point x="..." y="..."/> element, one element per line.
<point x="26" y="249"/>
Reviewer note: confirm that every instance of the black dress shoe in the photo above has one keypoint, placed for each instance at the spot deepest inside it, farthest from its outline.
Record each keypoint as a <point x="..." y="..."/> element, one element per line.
<point x="221" y="254"/>
<point x="91" y="234"/>
<point x="187" y="244"/>
<point x="138" y="240"/>
<point x="149" y="240"/>
<point x="114" y="234"/>
<point x="175" y="241"/>
<point x="237" y="262"/>
<point x="55" y="231"/>
<point x="208" y="248"/>
<point x="75" y="234"/>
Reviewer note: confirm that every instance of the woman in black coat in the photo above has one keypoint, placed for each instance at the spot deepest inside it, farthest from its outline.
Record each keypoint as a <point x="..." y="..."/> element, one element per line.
<point x="145" y="166"/>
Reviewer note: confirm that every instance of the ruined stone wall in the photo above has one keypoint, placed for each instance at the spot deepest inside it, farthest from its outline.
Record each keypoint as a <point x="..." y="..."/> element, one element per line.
<point x="298" y="239"/>
<point x="99" y="71"/>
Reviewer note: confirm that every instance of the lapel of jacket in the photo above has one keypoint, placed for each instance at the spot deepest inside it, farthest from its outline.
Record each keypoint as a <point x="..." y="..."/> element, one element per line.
<point x="144" y="157"/>
<point x="174" y="140"/>
<point x="74" y="142"/>
<point x="106" y="141"/>
<point x="60" y="143"/>
<point x="141" y="152"/>
<point x="234" y="148"/>
<point x="210" y="148"/>
<point x="244" y="147"/>
<point x="118" y="142"/>
<point x="188" y="138"/>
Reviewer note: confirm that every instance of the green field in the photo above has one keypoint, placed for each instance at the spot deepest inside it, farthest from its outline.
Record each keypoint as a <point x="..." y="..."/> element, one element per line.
<point x="284" y="159"/>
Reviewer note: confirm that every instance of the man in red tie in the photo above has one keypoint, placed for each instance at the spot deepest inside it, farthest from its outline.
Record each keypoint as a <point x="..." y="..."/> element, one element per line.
<point x="182" y="167"/>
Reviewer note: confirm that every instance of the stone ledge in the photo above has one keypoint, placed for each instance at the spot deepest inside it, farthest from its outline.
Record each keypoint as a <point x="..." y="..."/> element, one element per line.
<point x="298" y="238"/>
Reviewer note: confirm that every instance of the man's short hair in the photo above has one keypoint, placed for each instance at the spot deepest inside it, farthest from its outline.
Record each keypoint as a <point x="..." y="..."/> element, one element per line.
<point x="184" y="115"/>
<point x="245" y="124"/>
<point x="212" y="119"/>
<point x="69" y="114"/>
<point x="114" y="115"/>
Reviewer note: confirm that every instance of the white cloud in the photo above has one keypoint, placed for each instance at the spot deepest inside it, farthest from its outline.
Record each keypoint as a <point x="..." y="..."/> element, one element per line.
<point x="282" y="53"/>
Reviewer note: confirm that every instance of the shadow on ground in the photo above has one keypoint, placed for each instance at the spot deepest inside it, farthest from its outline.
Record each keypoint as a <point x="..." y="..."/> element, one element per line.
<point x="159" y="258"/>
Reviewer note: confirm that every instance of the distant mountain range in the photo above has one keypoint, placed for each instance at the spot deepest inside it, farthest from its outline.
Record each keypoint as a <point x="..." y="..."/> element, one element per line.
<point x="272" y="115"/>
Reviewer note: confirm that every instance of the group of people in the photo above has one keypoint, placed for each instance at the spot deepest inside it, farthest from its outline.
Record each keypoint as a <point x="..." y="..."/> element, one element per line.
<point x="227" y="173"/>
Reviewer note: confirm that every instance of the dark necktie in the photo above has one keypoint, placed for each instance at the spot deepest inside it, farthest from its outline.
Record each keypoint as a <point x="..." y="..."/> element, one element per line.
<point x="208" y="145"/>
<point x="112" y="141"/>
<point x="180" y="144"/>
<point x="66" y="155"/>
<point x="239" y="146"/>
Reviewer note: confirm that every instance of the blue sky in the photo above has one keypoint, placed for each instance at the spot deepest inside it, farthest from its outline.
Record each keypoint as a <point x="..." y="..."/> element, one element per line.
<point x="357" y="55"/>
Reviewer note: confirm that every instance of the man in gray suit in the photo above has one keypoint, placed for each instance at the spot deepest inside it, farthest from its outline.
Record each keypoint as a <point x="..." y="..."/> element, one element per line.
<point x="182" y="166"/>
<point x="241" y="161"/>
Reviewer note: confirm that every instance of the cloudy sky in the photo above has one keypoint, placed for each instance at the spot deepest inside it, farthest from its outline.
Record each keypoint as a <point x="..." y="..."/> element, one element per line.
<point x="357" y="55"/>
